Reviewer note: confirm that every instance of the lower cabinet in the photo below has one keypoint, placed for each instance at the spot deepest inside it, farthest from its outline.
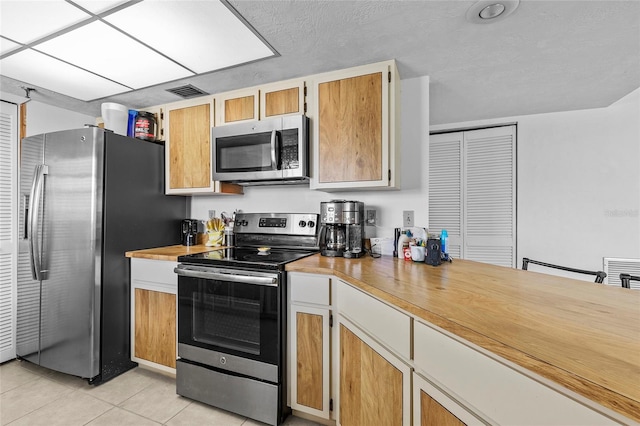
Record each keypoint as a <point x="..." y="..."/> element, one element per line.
<point x="375" y="385"/>
<point x="471" y="380"/>
<point x="153" y="313"/>
<point x="309" y="344"/>
<point x="431" y="407"/>
<point x="374" y="373"/>
<point x="379" y="365"/>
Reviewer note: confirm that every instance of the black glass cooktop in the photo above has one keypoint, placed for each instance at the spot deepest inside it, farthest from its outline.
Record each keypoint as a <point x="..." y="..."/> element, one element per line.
<point x="249" y="257"/>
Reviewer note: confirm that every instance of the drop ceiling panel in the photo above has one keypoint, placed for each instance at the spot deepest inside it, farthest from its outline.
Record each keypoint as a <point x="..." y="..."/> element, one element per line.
<point x="99" y="6"/>
<point x="60" y="77"/>
<point x="202" y="35"/>
<point x="27" y="21"/>
<point x="105" y="51"/>
<point x="7" y="46"/>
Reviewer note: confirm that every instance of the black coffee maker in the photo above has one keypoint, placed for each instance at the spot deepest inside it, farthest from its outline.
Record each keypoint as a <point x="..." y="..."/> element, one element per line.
<point x="189" y="232"/>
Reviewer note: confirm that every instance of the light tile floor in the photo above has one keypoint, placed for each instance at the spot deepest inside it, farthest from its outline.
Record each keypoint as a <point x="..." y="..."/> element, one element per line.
<point x="32" y="395"/>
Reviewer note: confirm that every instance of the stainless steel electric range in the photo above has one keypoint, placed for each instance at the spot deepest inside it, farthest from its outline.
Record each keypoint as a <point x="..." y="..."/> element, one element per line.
<point x="232" y="316"/>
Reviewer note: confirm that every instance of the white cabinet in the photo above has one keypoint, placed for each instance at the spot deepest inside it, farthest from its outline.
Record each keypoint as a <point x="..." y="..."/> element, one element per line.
<point x="356" y="128"/>
<point x="494" y="391"/>
<point x="154" y="287"/>
<point x="188" y="155"/>
<point x="374" y="373"/>
<point x="261" y="102"/>
<point x="309" y="343"/>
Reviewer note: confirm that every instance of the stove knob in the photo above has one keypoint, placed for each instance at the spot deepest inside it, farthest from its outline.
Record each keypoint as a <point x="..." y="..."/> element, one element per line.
<point x="311" y="224"/>
<point x="302" y="224"/>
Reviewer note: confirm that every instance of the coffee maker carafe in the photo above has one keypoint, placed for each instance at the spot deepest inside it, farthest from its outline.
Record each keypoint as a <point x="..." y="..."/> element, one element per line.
<point x="189" y="232"/>
<point x="341" y="232"/>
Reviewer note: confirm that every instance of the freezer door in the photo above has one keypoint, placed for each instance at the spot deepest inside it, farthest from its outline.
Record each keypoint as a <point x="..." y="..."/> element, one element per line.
<point x="70" y="239"/>
<point x="28" y="289"/>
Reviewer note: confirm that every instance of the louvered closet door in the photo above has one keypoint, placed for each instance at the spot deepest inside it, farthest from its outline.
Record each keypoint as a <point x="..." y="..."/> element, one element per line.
<point x="489" y="191"/>
<point x="445" y="188"/>
<point x="8" y="191"/>
<point x="472" y="193"/>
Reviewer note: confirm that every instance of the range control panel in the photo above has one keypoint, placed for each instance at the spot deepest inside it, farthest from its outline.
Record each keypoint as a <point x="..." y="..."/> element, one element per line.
<point x="276" y="223"/>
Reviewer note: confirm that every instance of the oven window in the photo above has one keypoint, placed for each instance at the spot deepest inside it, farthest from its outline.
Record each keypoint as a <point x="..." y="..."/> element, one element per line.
<point x="236" y="318"/>
<point x="228" y="322"/>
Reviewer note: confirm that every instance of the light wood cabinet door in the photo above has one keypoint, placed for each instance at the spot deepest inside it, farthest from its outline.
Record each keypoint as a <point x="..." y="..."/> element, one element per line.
<point x="283" y="98"/>
<point x="431" y="407"/>
<point x="187" y="128"/>
<point x="155" y="327"/>
<point x="310" y="360"/>
<point x="374" y="384"/>
<point x="354" y="128"/>
<point x="237" y="106"/>
<point x="189" y="146"/>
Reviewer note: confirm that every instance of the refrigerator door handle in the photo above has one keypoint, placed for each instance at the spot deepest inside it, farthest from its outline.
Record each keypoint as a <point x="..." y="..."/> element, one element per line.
<point x="32" y="219"/>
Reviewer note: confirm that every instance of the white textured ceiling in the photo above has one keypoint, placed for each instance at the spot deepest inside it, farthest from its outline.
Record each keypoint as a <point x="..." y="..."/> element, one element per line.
<point x="547" y="56"/>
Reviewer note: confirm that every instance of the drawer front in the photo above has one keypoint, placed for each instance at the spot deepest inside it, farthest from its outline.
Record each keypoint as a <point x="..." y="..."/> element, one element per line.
<point x="309" y="288"/>
<point x="388" y="325"/>
<point x="154" y="271"/>
<point x="495" y="390"/>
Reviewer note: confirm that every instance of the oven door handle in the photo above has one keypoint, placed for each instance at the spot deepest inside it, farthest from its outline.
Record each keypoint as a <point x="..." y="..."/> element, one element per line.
<point x="209" y="275"/>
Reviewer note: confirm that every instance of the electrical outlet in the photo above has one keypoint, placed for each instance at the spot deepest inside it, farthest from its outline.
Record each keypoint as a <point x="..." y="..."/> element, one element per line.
<point x="407" y="218"/>
<point x="212" y="214"/>
<point x="371" y="218"/>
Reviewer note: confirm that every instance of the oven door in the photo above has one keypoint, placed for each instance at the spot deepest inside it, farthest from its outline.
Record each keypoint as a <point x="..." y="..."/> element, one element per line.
<point x="229" y="314"/>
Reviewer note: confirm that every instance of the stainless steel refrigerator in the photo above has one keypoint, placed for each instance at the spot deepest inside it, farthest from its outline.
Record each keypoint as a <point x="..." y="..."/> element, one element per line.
<point x="86" y="197"/>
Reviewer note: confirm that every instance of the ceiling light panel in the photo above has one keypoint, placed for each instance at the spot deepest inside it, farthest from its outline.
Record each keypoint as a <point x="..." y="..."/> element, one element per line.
<point x="202" y="35"/>
<point x="27" y="21"/>
<point x="99" y="6"/>
<point x="59" y="77"/>
<point x="7" y="46"/>
<point x="105" y="51"/>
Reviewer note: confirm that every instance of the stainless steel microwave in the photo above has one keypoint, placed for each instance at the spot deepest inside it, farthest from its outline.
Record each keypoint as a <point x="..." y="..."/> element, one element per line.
<point x="265" y="152"/>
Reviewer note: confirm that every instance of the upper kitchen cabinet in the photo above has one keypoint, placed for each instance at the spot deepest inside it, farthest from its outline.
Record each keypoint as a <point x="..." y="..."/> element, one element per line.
<point x="356" y="128"/>
<point x="188" y="150"/>
<point x="283" y="98"/>
<point x="258" y="103"/>
<point x="237" y="106"/>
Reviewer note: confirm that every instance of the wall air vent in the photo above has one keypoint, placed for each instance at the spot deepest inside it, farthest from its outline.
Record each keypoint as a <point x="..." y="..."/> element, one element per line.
<point x="187" y="91"/>
<point x="614" y="266"/>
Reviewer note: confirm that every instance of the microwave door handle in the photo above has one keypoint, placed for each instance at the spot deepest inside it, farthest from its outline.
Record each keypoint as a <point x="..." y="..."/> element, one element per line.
<point x="274" y="164"/>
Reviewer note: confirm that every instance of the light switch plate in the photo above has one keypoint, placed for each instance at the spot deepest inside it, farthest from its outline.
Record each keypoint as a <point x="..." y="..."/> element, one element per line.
<point x="371" y="218"/>
<point x="407" y="218"/>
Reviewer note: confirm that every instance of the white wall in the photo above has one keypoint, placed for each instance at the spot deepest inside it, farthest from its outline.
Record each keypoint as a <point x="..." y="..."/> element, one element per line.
<point x="388" y="204"/>
<point x="578" y="183"/>
<point x="43" y="118"/>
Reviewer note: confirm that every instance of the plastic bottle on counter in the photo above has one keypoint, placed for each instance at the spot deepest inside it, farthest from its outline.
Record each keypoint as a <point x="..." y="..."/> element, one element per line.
<point x="402" y="242"/>
<point x="444" y="236"/>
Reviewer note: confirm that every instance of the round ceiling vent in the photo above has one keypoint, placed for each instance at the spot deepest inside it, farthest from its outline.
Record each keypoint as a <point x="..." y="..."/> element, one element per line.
<point x="489" y="11"/>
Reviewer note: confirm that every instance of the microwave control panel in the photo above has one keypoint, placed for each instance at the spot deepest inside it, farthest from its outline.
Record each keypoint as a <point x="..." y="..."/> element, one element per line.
<point x="289" y="150"/>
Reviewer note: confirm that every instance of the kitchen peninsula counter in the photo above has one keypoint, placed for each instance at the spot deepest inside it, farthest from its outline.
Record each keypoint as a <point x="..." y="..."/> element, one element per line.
<point x="581" y="335"/>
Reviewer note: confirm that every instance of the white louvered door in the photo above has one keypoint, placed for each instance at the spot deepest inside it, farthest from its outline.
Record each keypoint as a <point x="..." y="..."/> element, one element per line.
<point x="472" y="193"/>
<point x="489" y="193"/>
<point x="8" y="241"/>
<point x="445" y="188"/>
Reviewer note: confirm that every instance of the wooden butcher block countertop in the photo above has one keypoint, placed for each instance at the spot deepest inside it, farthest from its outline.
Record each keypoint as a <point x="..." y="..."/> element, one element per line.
<point x="582" y="335"/>
<point x="169" y="252"/>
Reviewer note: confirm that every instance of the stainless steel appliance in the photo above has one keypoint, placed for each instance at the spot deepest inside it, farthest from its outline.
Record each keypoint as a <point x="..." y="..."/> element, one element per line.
<point x="86" y="197"/>
<point x="232" y="316"/>
<point x="189" y="232"/>
<point x="265" y="152"/>
<point x="342" y="228"/>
